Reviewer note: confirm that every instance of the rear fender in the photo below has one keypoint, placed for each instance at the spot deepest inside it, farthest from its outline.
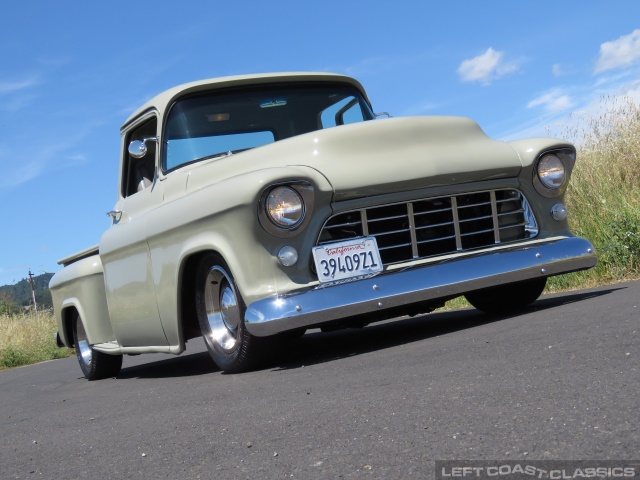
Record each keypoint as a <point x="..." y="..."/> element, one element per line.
<point x="79" y="287"/>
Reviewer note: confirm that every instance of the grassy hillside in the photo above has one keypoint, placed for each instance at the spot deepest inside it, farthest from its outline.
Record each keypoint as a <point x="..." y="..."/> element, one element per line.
<point x="19" y="295"/>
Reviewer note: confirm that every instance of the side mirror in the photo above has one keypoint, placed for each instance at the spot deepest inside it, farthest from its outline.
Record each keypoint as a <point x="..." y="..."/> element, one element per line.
<point x="138" y="148"/>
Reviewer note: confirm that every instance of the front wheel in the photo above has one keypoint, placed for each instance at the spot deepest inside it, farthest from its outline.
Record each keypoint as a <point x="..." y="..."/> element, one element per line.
<point x="95" y="365"/>
<point x="221" y="316"/>
<point x="507" y="298"/>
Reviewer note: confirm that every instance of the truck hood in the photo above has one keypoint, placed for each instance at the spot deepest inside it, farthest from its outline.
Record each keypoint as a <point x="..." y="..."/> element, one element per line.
<point x="402" y="154"/>
<point x="386" y="156"/>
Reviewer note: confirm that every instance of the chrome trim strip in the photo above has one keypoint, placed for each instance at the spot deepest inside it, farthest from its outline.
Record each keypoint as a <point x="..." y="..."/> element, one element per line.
<point x="412" y="231"/>
<point x="365" y="223"/>
<point x="436" y="240"/>
<point x="435" y="225"/>
<point x="494" y="214"/>
<point x="427" y="281"/>
<point x="397" y="245"/>
<point x="475" y="219"/>
<point x="390" y="232"/>
<point x="386" y="219"/>
<point x="456" y="222"/>
<point x="476" y="232"/>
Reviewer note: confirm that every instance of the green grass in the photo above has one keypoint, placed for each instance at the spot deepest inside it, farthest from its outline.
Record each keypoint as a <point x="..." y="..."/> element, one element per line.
<point x="603" y="200"/>
<point x="28" y="338"/>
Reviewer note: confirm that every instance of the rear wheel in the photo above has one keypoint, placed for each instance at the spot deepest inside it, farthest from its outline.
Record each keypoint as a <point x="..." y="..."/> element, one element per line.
<point x="221" y="316"/>
<point x="95" y="365"/>
<point x="507" y="298"/>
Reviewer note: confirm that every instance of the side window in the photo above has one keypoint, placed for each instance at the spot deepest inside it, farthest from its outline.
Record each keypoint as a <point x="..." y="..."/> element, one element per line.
<point x="139" y="173"/>
<point x="343" y="112"/>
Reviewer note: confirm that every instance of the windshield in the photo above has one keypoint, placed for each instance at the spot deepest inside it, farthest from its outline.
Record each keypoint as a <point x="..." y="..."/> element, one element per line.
<point x="217" y="124"/>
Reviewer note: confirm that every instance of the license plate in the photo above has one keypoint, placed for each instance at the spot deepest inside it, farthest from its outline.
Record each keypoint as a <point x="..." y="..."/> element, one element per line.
<point x="345" y="260"/>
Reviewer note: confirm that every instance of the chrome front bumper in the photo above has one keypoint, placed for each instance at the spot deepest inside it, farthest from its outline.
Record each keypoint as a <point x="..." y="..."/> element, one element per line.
<point x="419" y="283"/>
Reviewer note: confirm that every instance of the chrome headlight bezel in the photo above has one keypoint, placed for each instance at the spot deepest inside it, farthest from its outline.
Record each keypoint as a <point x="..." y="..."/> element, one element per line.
<point x="552" y="170"/>
<point x="289" y="195"/>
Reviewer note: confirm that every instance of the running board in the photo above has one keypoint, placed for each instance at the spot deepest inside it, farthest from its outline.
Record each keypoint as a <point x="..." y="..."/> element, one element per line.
<point x="114" y="348"/>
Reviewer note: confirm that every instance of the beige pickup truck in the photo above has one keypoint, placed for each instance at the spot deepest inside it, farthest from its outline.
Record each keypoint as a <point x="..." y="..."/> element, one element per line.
<point x="252" y="208"/>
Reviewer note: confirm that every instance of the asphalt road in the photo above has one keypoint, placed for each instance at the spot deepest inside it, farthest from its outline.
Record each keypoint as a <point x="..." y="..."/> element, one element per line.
<point x="559" y="381"/>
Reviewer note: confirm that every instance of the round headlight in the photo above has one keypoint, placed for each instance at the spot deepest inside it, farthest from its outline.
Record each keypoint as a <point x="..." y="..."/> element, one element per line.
<point x="284" y="207"/>
<point x="551" y="172"/>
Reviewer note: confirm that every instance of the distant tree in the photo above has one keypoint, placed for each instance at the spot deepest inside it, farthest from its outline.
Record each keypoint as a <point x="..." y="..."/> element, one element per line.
<point x="7" y="307"/>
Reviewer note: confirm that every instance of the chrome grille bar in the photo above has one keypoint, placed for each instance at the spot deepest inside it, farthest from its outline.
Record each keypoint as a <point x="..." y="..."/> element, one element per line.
<point x="456" y="222"/>
<point x="365" y="223"/>
<point x="412" y="231"/>
<point x="494" y="215"/>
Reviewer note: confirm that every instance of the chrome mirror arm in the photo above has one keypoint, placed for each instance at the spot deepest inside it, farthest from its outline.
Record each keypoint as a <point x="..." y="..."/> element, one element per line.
<point x="138" y="148"/>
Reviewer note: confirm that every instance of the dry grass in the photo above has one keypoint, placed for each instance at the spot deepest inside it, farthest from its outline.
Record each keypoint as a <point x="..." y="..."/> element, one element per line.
<point x="29" y="338"/>
<point x="603" y="198"/>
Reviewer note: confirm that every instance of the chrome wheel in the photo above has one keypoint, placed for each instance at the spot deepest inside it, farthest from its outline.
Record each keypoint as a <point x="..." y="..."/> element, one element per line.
<point x="222" y="310"/>
<point x="82" y="345"/>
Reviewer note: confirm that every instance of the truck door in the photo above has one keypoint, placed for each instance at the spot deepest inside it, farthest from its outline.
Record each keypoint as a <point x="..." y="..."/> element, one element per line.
<point x="124" y="249"/>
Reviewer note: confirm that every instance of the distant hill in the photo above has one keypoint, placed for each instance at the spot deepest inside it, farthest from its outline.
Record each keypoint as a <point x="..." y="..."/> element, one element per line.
<point x="20" y="293"/>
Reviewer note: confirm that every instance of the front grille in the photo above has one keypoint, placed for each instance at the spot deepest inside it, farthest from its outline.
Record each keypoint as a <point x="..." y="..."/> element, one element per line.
<point x="437" y="226"/>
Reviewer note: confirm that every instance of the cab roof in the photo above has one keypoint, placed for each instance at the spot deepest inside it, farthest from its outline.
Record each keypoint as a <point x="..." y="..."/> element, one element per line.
<point x="163" y="101"/>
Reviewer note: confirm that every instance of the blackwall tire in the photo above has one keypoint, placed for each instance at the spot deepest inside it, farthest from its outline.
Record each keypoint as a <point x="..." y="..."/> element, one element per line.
<point x="507" y="298"/>
<point x="95" y="365"/>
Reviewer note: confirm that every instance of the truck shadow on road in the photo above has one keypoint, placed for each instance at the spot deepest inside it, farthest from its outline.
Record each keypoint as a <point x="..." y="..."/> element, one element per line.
<point x="325" y="347"/>
<point x="185" y="365"/>
<point x="316" y="347"/>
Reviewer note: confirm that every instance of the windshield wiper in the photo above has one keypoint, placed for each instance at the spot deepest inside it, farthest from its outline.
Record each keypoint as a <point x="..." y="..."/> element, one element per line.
<point x="221" y="154"/>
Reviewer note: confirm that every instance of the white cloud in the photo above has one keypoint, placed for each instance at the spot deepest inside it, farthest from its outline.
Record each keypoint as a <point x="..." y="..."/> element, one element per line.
<point x="11" y="87"/>
<point x="485" y="68"/>
<point x="620" y="53"/>
<point x="589" y="102"/>
<point x="14" y="96"/>
<point x="74" y="161"/>
<point x="45" y="158"/>
<point x="553" y="101"/>
<point x="556" y="69"/>
<point x="561" y="70"/>
<point x="24" y="173"/>
<point x="16" y="103"/>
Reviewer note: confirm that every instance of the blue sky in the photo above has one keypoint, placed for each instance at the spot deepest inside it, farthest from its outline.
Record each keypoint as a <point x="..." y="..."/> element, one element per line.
<point x="71" y="72"/>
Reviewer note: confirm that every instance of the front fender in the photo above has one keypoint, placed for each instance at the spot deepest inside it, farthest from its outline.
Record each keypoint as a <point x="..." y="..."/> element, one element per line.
<point x="222" y="216"/>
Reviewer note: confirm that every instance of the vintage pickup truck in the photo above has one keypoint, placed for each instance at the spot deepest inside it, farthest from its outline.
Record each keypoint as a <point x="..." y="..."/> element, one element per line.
<point x="252" y="208"/>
